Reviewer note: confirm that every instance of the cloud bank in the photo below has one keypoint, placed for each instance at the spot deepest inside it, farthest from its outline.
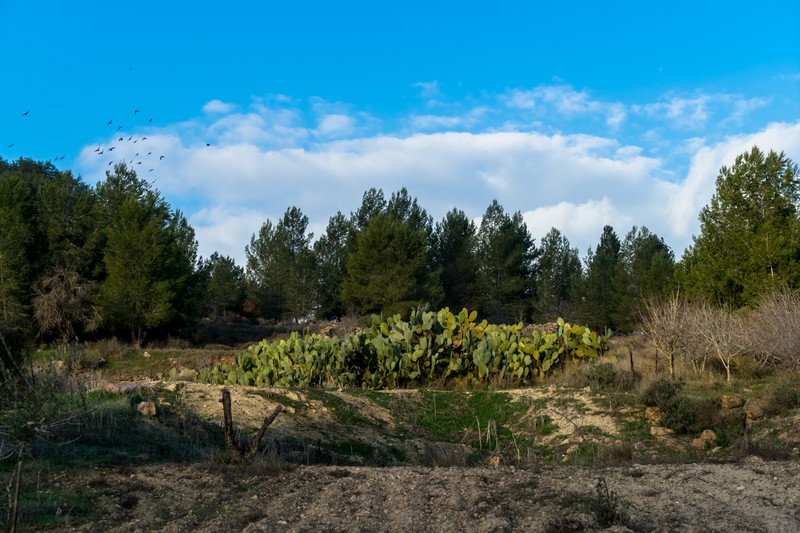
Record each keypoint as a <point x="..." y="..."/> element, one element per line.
<point x="562" y="157"/>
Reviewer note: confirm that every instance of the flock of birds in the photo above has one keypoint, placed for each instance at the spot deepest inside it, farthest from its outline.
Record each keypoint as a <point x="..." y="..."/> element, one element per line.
<point x="100" y="150"/>
<point x="143" y="155"/>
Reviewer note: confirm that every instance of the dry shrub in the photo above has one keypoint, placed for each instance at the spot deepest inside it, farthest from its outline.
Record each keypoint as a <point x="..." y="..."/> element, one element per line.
<point x="774" y="329"/>
<point x="112" y="347"/>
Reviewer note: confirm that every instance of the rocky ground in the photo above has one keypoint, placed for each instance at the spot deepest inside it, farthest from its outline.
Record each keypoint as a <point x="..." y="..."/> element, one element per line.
<point x="691" y="490"/>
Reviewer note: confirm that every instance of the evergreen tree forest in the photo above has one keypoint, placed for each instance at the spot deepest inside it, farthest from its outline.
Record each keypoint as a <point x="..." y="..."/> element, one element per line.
<point x="117" y="260"/>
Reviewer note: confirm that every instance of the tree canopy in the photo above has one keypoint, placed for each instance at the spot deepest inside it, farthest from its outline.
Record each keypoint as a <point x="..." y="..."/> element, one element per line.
<point x="116" y="259"/>
<point x="749" y="237"/>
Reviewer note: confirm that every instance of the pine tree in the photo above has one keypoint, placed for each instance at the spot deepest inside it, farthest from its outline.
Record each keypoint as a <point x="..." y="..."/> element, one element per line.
<point x="507" y="257"/>
<point x="136" y="296"/>
<point x="225" y="284"/>
<point x="331" y="252"/>
<point x="454" y="257"/>
<point x="389" y="272"/>
<point x="262" y="282"/>
<point x="559" y="270"/>
<point x="281" y="271"/>
<point x="645" y="270"/>
<point x="749" y="237"/>
<point x="600" y="299"/>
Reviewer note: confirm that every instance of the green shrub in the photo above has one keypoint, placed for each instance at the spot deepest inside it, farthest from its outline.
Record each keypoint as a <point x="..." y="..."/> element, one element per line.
<point x="782" y="395"/>
<point x="661" y="392"/>
<point x="605" y="377"/>
<point x="679" y="412"/>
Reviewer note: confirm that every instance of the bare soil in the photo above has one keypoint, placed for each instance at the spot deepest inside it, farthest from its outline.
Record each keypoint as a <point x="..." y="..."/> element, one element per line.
<point x="752" y="495"/>
<point x="714" y="494"/>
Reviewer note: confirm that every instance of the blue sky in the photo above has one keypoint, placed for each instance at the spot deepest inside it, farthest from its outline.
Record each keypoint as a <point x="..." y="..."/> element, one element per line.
<point x="577" y="115"/>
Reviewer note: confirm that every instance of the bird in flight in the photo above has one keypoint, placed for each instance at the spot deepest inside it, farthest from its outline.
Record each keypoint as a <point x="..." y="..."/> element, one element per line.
<point x="135" y="111"/>
<point x="109" y="122"/>
<point x="111" y="148"/>
<point x="149" y="121"/>
<point x="120" y="127"/>
<point x="160" y="158"/>
<point x="25" y="114"/>
<point x="10" y="145"/>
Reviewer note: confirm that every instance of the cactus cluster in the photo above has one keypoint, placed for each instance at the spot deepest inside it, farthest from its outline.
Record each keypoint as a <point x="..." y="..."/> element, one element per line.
<point x="429" y="346"/>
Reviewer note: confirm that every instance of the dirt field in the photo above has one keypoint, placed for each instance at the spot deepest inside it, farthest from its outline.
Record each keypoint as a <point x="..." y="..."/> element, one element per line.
<point x="750" y="496"/>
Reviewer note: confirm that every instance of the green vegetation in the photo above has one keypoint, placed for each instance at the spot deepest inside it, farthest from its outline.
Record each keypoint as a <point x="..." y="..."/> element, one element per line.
<point x="748" y="242"/>
<point x="429" y="347"/>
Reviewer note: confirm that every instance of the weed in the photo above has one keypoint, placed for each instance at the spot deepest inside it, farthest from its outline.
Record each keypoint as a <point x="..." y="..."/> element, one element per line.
<point x="605" y="505"/>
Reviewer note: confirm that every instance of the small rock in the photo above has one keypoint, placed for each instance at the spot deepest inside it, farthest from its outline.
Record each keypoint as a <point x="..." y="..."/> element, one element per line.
<point x="705" y="438"/>
<point x="755" y="409"/>
<point x="731" y="401"/>
<point x="495" y="461"/>
<point x="146" y="409"/>
<point x="653" y="415"/>
<point x="658" y="431"/>
<point x="184" y="374"/>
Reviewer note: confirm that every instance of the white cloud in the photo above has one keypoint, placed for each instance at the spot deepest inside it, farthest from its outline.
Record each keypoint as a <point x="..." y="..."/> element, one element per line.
<point x="581" y="223"/>
<point x="428" y="89"/>
<point x="227" y="231"/>
<point x="278" y="154"/>
<point x="686" y="199"/>
<point x="701" y="110"/>
<point x="566" y="101"/>
<point x="218" y="106"/>
<point x="691" y="113"/>
<point x="336" y="125"/>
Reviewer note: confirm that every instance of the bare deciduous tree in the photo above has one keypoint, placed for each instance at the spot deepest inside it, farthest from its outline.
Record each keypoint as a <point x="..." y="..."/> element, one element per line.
<point x="62" y="303"/>
<point x="721" y="332"/>
<point x="664" y="321"/>
<point x="774" y="329"/>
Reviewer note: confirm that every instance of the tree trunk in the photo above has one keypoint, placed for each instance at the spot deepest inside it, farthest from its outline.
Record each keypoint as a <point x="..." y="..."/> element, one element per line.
<point x="236" y="448"/>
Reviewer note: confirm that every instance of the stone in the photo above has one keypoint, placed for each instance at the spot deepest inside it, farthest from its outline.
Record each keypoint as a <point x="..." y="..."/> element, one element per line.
<point x="146" y="409"/>
<point x="495" y="461"/>
<point x="755" y="409"/>
<point x="706" y="437"/>
<point x="658" y="431"/>
<point x="731" y="401"/>
<point x="653" y="415"/>
<point x="184" y="374"/>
